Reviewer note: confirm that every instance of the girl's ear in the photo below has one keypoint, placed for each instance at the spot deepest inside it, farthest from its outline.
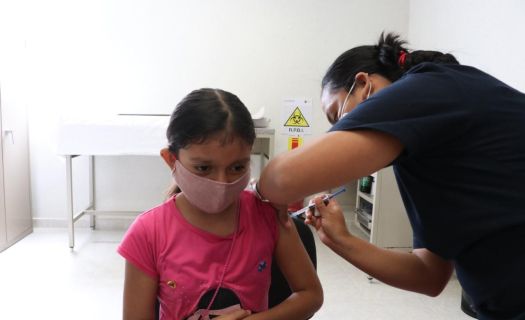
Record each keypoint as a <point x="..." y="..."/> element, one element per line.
<point x="168" y="157"/>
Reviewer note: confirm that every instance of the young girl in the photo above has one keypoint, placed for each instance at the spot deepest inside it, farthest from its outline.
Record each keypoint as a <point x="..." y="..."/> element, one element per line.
<point x="207" y="251"/>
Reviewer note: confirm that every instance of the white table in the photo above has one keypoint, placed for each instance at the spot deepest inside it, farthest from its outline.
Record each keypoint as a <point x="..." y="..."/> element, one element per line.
<point x="122" y="135"/>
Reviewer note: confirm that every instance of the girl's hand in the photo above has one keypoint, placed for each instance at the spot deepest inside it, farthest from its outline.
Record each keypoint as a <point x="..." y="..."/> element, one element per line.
<point x="331" y="224"/>
<point x="235" y="315"/>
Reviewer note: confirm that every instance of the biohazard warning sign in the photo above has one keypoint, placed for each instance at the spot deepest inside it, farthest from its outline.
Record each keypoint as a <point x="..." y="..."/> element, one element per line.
<point x="296" y="119"/>
<point x="296" y="115"/>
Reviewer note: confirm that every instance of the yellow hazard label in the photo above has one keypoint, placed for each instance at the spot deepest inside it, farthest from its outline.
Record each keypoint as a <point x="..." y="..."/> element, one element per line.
<point x="296" y="119"/>
<point x="294" y="142"/>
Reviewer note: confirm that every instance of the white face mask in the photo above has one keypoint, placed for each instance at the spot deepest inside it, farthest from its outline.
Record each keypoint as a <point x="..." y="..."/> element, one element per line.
<point x="341" y="114"/>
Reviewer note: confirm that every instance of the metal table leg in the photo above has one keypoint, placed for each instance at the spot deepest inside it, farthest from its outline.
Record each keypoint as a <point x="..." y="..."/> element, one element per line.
<point x="69" y="201"/>
<point x="92" y="217"/>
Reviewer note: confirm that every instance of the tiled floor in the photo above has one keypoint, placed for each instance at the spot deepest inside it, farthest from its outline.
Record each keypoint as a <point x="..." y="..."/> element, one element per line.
<point x="41" y="278"/>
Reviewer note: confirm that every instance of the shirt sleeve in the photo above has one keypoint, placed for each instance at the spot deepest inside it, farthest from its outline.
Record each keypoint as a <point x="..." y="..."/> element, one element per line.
<point x="423" y="110"/>
<point x="137" y="246"/>
<point x="416" y="242"/>
<point x="268" y="217"/>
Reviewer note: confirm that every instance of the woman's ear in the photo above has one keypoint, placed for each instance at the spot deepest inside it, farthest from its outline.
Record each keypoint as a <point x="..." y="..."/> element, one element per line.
<point x="168" y="157"/>
<point x="364" y="83"/>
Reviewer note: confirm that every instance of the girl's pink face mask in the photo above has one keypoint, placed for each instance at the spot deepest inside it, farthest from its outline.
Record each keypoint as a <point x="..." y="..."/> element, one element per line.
<point x="208" y="195"/>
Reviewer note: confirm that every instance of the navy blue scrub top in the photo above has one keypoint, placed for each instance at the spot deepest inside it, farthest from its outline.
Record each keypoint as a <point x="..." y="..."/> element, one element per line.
<point x="461" y="174"/>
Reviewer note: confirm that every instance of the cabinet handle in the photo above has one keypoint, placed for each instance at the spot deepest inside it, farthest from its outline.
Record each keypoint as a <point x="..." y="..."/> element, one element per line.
<point x="11" y="134"/>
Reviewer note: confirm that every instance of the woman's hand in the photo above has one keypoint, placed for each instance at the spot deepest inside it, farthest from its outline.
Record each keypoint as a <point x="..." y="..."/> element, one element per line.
<point x="235" y="315"/>
<point x="330" y="224"/>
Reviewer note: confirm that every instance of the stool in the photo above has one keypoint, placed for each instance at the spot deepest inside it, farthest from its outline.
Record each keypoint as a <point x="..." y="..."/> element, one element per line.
<point x="467" y="306"/>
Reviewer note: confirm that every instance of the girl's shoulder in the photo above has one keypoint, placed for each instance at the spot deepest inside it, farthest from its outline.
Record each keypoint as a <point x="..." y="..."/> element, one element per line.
<point x="158" y="214"/>
<point x="144" y="239"/>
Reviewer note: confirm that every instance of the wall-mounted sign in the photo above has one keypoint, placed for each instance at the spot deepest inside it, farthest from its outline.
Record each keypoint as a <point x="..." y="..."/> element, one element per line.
<point x="294" y="142"/>
<point x="297" y="117"/>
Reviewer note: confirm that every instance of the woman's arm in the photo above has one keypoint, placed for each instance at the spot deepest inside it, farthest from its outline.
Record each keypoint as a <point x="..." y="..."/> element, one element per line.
<point x="297" y="268"/>
<point x="420" y="271"/>
<point x="329" y="161"/>
<point x="140" y="294"/>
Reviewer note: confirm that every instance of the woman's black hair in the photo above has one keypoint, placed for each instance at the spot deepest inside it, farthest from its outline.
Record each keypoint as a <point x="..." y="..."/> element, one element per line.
<point x="206" y="112"/>
<point x="389" y="58"/>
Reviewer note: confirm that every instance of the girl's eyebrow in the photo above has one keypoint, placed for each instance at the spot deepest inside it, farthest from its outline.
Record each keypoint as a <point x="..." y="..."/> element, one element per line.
<point x="241" y="161"/>
<point x="198" y="159"/>
<point x="244" y="160"/>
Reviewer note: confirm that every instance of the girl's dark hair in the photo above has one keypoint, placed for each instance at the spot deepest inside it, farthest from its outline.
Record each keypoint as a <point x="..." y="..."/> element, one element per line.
<point x="206" y="112"/>
<point x="389" y="58"/>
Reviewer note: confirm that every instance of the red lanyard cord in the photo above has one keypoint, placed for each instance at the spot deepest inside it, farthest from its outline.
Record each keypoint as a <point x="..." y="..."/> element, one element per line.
<point x="206" y="316"/>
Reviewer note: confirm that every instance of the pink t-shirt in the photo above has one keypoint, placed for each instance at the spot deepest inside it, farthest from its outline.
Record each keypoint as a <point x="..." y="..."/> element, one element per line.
<point x="188" y="261"/>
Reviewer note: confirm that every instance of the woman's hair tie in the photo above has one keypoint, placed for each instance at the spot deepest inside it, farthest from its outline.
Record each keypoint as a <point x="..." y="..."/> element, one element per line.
<point x="402" y="58"/>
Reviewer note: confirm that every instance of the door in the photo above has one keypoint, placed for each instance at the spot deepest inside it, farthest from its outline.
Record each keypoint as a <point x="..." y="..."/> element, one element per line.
<point x="14" y="94"/>
<point x="15" y="164"/>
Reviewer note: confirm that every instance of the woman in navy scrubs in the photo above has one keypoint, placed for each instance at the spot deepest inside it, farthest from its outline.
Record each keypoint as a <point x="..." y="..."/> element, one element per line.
<point x="455" y="137"/>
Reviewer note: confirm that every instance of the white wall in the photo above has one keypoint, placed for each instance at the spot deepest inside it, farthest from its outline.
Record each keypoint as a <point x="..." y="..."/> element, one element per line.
<point x="143" y="56"/>
<point x="104" y="56"/>
<point x="487" y="34"/>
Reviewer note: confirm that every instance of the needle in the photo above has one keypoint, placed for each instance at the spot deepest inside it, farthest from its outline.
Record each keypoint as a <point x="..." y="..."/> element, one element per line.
<point x="326" y="199"/>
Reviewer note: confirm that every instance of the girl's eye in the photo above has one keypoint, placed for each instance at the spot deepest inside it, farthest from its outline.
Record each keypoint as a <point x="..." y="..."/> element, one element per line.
<point x="239" y="168"/>
<point x="202" y="169"/>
